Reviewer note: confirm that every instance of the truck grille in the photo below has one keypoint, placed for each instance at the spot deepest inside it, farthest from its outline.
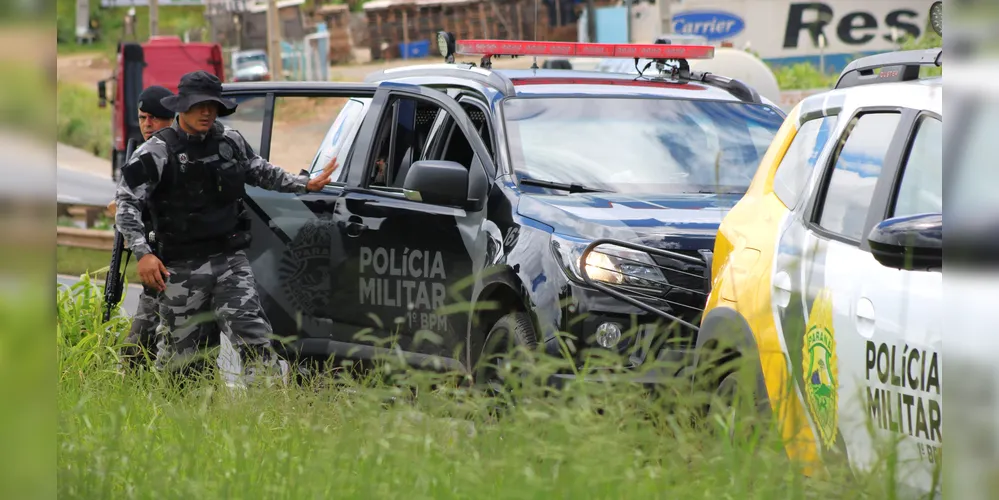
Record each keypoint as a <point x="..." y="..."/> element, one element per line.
<point x="689" y="284"/>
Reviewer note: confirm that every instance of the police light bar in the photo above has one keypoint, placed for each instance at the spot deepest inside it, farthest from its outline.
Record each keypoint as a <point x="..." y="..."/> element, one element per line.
<point x="569" y="49"/>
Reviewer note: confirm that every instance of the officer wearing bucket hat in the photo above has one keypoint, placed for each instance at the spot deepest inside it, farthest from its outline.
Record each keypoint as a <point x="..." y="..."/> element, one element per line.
<point x="190" y="177"/>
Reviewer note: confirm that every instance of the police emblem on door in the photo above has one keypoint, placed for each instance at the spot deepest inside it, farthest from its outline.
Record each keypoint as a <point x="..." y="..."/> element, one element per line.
<point x="820" y="370"/>
<point x="305" y="268"/>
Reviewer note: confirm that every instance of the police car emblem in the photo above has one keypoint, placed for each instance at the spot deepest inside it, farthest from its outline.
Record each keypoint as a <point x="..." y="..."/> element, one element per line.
<point x="819" y="368"/>
<point x="225" y="150"/>
<point x="305" y="269"/>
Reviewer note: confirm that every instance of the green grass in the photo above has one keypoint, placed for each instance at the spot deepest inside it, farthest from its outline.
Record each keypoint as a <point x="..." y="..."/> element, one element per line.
<point x="80" y="122"/>
<point x="75" y="261"/>
<point x="136" y="434"/>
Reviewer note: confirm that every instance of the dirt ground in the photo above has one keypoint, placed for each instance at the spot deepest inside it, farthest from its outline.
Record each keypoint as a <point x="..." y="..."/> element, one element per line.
<point x="85" y="69"/>
<point x="300" y="123"/>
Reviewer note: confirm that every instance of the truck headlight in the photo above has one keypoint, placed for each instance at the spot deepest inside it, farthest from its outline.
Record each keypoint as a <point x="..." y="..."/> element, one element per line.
<point x="608" y="263"/>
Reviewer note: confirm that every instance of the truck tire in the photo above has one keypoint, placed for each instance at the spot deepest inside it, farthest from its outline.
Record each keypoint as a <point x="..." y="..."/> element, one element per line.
<point x="508" y="333"/>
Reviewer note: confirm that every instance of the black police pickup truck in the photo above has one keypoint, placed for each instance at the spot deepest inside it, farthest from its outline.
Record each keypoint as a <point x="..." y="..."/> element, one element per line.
<point x="461" y="186"/>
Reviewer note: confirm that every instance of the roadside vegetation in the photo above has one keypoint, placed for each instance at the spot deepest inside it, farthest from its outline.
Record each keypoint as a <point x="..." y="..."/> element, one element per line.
<point x="396" y="433"/>
<point x="73" y="261"/>
<point x="80" y="122"/>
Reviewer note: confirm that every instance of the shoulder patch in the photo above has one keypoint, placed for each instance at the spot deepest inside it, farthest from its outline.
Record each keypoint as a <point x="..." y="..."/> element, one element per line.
<point x="140" y="170"/>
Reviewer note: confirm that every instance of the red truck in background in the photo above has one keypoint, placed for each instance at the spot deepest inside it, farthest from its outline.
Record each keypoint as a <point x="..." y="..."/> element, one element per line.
<point x="160" y="61"/>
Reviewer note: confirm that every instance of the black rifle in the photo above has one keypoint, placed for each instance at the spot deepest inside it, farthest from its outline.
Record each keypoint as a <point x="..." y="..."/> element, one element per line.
<point x="114" y="283"/>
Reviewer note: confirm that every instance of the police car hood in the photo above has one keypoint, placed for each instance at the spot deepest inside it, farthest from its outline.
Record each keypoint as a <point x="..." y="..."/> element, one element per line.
<point x="671" y="221"/>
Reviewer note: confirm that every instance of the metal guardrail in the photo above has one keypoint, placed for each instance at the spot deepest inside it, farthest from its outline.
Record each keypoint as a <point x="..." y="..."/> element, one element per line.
<point x="95" y="239"/>
<point x="634" y="299"/>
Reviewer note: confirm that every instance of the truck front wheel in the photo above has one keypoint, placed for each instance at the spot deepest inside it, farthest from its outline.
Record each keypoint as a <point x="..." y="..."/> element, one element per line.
<point x="512" y="331"/>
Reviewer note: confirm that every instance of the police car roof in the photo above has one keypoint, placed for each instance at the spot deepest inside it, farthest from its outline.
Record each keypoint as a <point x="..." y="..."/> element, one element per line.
<point x="925" y="94"/>
<point x="561" y="82"/>
<point x="509" y="82"/>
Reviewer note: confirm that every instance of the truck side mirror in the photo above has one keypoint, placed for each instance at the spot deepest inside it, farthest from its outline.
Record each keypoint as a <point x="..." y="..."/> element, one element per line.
<point x="102" y="94"/>
<point x="437" y="182"/>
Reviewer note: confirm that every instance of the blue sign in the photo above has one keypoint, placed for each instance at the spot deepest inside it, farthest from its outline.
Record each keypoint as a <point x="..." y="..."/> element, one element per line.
<point x="711" y="24"/>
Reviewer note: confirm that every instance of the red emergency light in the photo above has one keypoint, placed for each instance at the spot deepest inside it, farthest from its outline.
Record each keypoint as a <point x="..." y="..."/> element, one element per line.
<point x="569" y="49"/>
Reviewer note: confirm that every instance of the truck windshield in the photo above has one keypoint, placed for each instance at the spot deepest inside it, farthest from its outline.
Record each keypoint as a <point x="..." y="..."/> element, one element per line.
<point x="639" y="145"/>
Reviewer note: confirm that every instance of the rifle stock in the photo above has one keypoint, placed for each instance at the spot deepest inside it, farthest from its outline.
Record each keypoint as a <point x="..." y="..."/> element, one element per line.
<point x="114" y="283"/>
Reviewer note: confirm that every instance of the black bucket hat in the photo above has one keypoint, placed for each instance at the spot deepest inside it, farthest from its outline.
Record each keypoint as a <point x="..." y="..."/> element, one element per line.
<point x="196" y="87"/>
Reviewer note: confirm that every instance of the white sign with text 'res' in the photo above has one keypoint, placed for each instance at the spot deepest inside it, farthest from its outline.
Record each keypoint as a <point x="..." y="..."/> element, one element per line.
<point x="789" y="31"/>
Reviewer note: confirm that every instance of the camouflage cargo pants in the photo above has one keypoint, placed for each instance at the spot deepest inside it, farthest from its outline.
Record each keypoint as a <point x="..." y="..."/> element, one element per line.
<point x="143" y="331"/>
<point x="142" y="335"/>
<point x="222" y="284"/>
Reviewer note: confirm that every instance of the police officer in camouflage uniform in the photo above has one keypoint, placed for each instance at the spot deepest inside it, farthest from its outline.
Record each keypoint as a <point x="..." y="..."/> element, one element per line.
<point x="190" y="177"/>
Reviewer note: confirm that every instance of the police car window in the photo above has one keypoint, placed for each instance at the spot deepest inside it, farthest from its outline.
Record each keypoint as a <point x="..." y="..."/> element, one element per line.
<point x="401" y="141"/>
<point x="478" y="117"/>
<point x="639" y="145"/>
<point x="855" y="174"/>
<point x="339" y="138"/>
<point x="799" y="160"/>
<point x="248" y="119"/>
<point x="921" y="188"/>
<point x="299" y="126"/>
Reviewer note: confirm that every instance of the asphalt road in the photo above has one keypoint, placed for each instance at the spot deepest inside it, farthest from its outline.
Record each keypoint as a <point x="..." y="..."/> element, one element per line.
<point x="129" y="302"/>
<point x="83" y="188"/>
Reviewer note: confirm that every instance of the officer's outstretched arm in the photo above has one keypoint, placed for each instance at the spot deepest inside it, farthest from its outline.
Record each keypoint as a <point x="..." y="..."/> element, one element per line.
<point x="138" y="178"/>
<point x="263" y="174"/>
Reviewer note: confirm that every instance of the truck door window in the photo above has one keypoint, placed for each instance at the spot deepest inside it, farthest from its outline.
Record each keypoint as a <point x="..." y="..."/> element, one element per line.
<point x="340" y="138"/>
<point x="398" y="147"/>
<point x="455" y="146"/>
<point x="850" y="188"/>
<point x="299" y="126"/>
<point x="478" y="117"/>
<point x="400" y="141"/>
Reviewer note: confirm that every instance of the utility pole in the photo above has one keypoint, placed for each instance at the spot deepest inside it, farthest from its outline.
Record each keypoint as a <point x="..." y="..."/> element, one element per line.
<point x="274" y="40"/>
<point x="154" y="17"/>
<point x="591" y="21"/>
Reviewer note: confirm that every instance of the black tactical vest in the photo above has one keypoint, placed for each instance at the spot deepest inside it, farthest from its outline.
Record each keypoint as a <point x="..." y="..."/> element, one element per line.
<point x="197" y="207"/>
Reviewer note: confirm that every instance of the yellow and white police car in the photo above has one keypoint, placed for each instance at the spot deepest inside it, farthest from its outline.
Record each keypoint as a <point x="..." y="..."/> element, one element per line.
<point x="828" y="272"/>
<point x="830" y="268"/>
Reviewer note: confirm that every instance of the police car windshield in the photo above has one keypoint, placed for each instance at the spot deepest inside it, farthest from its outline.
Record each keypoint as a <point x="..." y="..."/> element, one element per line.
<point x="639" y="145"/>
